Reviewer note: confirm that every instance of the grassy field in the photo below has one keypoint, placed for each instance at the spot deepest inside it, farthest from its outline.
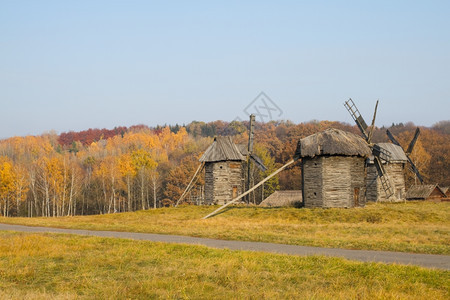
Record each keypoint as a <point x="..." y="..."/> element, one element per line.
<point x="50" y="266"/>
<point x="420" y="227"/>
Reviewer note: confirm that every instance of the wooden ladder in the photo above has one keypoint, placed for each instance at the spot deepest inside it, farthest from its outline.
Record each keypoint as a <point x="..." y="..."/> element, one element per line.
<point x="387" y="187"/>
<point x="384" y="178"/>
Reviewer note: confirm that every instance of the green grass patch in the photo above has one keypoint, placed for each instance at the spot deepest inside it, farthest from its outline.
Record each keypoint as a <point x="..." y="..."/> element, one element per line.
<point x="43" y="266"/>
<point x="419" y="227"/>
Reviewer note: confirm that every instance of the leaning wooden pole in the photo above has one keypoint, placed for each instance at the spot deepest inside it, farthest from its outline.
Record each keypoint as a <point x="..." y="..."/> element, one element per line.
<point x="190" y="185"/>
<point x="251" y="133"/>
<point x="251" y="190"/>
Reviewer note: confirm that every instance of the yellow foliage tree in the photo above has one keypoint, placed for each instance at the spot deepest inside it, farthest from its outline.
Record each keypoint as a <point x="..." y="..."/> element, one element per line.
<point x="21" y="185"/>
<point x="7" y="184"/>
<point x="127" y="171"/>
<point x="143" y="164"/>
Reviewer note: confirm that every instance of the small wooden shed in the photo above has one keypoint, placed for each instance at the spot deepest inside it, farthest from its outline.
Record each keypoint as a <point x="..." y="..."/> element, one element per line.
<point x="224" y="178"/>
<point x="333" y="169"/>
<point x="293" y="198"/>
<point x="395" y="170"/>
<point x="429" y="192"/>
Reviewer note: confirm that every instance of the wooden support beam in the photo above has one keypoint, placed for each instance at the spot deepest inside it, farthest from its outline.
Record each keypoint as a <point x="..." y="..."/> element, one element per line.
<point x="251" y="133"/>
<point x="191" y="184"/>
<point x="250" y="190"/>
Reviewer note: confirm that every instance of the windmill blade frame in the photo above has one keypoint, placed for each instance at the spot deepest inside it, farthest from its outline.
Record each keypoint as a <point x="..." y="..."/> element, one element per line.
<point x="357" y="117"/>
<point x="392" y="138"/>
<point x="413" y="142"/>
<point x="414" y="169"/>
<point x="258" y="162"/>
<point x="372" y="127"/>
<point x="412" y="166"/>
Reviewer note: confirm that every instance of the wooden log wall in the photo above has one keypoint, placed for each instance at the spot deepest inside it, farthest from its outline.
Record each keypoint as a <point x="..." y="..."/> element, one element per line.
<point x="220" y="179"/>
<point x="312" y="182"/>
<point x="332" y="181"/>
<point x="372" y="183"/>
<point x="396" y="173"/>
<point x="209" y="183"/>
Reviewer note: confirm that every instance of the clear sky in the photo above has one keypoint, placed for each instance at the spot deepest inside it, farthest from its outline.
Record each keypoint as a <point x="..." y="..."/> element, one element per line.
<point x="73" y="65"/>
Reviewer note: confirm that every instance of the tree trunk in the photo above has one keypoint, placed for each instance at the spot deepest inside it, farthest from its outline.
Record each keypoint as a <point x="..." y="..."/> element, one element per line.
<point x="154" y="195"/>
<point x="72" y="183"/>
<point x="142" y="189"/>
<point x="17" y="206"/>
<point x="64" y="188"/>
<point x="129" y="193"/>
<point x="47" y="200"/>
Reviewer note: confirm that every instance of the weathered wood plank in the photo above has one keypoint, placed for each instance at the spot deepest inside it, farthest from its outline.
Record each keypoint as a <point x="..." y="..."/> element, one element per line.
<point x="375" y="191"/>
<point x="332" y="181"/>
<point x="220" y="179"/>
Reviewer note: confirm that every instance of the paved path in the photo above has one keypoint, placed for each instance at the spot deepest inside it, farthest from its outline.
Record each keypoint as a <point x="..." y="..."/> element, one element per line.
<point x="424" y="260"/>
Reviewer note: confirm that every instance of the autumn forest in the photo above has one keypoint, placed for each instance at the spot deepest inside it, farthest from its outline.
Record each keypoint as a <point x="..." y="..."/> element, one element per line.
<point x="101" y="171"/>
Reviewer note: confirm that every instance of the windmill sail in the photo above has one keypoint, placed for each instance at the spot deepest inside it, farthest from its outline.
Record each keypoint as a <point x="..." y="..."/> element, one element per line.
<point x="412" y="167"/>
<point x="413" y="141"/>
<point x="379" y="153"/>
<point x="372" y="127"/>
<point x="258" y="162"/>
<point x="392" y="138"/>
<point x="357" y="117"/>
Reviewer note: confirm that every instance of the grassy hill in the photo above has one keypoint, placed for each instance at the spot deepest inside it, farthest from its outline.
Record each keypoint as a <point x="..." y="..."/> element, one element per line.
<point x="420" y="227"/>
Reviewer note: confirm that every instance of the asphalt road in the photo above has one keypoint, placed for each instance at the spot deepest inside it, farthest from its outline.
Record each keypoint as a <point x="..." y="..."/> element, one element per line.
<point x="423" y="260"/>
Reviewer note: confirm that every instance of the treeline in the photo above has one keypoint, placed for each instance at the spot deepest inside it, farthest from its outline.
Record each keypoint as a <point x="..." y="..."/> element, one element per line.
<point x="100" y="171"/>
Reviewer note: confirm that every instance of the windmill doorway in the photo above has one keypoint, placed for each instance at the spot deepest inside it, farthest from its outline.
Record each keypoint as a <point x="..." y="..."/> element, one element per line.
<point x="356" y="197"/>
<point x="235" y="192"/>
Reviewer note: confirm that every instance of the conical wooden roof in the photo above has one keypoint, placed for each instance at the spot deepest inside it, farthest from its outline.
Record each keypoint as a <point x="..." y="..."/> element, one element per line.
<point x="397" y="155"/>
<point x="222" y="149"/>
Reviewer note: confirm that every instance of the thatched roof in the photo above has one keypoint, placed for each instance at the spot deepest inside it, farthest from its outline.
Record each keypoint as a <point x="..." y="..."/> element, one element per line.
<point x="422" y="192"/>
<point x="332" y="142"/>
<point x="397" y="153"/>
<point x="222" y="149"/>
<point x="283" y="198"/>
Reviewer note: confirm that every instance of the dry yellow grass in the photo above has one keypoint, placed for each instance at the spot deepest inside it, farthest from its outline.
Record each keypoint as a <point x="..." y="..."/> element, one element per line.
<point x="50" y="266"/>
<point x="420" y="227"/>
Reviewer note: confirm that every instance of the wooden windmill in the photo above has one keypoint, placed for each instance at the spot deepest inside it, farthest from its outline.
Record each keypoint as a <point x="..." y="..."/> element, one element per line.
<point x="223" y="171"/>
<point x="380" y="155"/>
<point x="224" y="163"/>
<point x="333" y="169"/>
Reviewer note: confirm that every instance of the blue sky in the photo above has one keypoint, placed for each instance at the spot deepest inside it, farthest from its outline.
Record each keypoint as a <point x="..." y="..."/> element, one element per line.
<point x="73" y="65"/>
